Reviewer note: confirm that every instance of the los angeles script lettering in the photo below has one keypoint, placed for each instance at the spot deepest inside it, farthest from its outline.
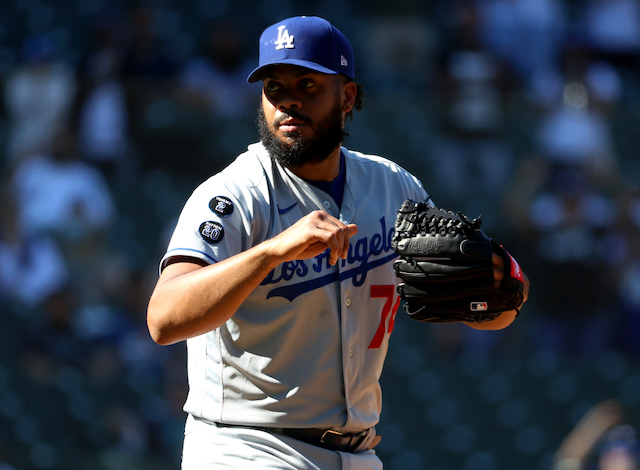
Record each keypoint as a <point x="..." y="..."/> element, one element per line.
<point x="360" y="252"/>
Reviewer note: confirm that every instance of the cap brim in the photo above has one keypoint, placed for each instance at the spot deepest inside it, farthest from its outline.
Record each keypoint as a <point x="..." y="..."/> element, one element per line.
<point x="256" y="74"/>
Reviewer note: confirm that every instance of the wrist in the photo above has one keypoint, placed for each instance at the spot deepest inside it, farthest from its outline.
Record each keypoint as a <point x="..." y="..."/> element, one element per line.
<point x="269" y="254"/>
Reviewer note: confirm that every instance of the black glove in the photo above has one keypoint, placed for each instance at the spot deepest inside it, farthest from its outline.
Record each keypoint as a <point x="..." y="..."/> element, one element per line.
<point x="446" y="267"/>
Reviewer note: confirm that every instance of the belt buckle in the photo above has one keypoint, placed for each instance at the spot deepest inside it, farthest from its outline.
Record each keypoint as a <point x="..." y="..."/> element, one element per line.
<point x="352" y="440"/>
<point x="330" y="432"/>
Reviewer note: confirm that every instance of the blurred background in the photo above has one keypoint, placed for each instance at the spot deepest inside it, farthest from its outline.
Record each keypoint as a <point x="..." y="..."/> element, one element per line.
<point x="523" y="111"/>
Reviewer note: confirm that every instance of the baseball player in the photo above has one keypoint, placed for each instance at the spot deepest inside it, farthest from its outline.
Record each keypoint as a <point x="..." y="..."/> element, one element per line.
<point x="279" y="275"/>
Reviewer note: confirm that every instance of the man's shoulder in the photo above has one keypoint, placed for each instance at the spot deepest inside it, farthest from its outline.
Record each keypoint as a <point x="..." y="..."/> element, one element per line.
<point x="375" y="162"/>
<point x="252" y="161"/>
<point x="248" y="168"/>
<point x="243" y="179"/>
<point x="366" y="158"/>
<point x="361" y="156"/>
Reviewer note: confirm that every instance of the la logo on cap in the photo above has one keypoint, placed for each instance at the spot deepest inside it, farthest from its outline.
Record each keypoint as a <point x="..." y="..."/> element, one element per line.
<point x="285" y="40"/>
<point x="317" y="45"/>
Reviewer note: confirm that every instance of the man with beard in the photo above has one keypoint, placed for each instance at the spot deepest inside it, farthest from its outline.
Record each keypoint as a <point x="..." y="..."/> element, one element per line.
<point x="279" y="275"/>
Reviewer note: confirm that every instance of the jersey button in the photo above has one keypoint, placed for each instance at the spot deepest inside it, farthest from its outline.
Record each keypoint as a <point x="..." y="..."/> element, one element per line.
<point x="327" y="204"/>
<point x="347" y="302"/>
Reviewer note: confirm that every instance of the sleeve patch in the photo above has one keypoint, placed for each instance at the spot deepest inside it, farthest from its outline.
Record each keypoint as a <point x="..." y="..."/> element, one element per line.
<point x="211" y="232"/>
<point x="221" y="205"/>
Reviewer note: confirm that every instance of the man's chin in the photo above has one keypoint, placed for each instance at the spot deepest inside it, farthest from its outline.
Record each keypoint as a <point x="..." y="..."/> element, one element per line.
<point x="290" y="143"/>
<point x="289" y="137"/>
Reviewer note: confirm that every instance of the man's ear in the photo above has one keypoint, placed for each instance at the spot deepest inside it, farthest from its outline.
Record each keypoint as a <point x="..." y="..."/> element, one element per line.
<point x="349" y="91"/>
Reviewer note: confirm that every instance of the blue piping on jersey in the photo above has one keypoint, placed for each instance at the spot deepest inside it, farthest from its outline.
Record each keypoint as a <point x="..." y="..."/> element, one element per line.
<point x="196" y="251"/>
<point x="292" y="291"/>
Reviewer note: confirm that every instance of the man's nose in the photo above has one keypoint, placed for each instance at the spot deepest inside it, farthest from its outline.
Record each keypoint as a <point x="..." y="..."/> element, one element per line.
<point x="290" y="100"/>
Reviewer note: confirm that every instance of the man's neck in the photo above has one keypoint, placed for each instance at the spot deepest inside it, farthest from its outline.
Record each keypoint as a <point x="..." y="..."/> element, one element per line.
<point x="327" y="170"/>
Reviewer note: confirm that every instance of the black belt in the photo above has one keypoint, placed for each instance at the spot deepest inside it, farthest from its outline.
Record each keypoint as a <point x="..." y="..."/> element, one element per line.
<point x="326" y="438"/>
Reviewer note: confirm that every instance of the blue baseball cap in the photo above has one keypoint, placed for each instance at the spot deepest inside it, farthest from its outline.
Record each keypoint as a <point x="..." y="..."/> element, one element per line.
<point x="307" y="41"/>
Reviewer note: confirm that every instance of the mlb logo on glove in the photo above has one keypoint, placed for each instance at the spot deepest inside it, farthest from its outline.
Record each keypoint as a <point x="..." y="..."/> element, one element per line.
<point x="478" y="306"/>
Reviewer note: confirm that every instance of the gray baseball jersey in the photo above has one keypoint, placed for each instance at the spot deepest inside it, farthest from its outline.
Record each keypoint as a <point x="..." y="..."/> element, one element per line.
<point x="306" y="349"/>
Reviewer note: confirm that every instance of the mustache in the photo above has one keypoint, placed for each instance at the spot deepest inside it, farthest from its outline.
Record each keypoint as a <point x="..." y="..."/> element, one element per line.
<point x="291" y="114"/>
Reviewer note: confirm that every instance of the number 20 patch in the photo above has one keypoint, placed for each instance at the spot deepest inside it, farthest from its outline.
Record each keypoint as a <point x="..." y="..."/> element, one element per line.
<point x="211" y="232"/>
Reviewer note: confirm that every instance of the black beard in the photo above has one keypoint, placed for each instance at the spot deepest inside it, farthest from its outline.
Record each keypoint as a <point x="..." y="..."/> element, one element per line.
<point x="329" y="135"/>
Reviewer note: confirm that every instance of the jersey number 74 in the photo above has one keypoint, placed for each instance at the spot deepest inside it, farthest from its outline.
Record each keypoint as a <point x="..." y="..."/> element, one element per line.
<point x="389" y="310"/>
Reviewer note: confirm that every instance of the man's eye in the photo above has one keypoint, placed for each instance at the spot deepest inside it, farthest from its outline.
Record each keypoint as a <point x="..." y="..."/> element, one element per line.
<point x="307" y="84"/>
<point x="272" y="86"/>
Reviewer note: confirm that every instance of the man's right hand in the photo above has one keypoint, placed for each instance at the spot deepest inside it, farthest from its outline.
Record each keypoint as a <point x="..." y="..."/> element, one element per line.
<point x="311" y="236"/>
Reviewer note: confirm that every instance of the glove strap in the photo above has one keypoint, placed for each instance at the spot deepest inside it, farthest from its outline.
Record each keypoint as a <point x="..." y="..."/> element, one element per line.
<point x="513" y="276"/>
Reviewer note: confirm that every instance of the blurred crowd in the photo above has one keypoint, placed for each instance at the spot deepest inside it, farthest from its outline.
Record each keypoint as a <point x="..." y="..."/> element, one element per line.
<point x="567" y="200"/>
<point x="531" y="117"/>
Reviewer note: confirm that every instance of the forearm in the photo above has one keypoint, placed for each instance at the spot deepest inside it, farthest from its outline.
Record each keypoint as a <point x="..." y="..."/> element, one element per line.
<point x="190" y="300"/>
